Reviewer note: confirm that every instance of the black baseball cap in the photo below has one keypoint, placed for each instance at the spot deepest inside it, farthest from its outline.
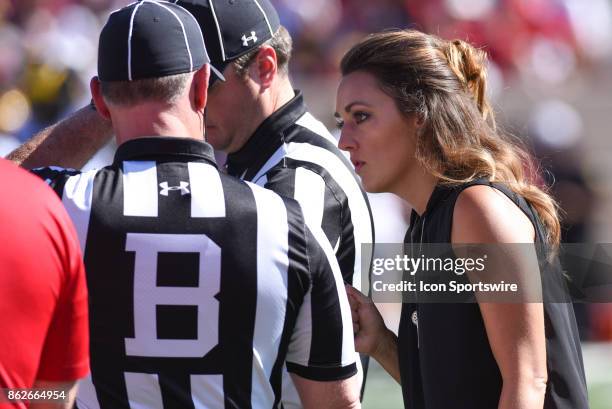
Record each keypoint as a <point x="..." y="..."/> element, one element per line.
<point x="150" y="39"/>
<point x="232" y="28"/>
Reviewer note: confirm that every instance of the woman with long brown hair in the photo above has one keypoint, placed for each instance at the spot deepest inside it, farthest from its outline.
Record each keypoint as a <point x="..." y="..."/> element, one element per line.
<point x="415" y="119"/>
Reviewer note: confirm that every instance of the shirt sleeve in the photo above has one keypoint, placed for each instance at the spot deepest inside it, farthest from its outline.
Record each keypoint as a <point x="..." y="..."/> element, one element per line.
<point x="322" y="346"/>
<point x="55" y="177"/>
<point x="65" y="354"/>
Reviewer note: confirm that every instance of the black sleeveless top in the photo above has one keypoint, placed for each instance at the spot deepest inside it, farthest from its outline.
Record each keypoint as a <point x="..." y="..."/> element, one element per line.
<point x="448" y="363"/>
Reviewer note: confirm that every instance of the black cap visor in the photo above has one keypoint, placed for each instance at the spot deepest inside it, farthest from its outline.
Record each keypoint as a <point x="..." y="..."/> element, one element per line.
<point x="216" y="73"/>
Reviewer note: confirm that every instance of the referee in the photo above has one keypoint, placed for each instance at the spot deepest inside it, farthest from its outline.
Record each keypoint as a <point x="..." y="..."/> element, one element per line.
<point x="202" y="287"/>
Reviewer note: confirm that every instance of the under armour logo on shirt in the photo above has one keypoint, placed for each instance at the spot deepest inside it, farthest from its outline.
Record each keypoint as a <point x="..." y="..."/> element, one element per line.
<point x="252" y="37"/>
<point x="166" y="188"/>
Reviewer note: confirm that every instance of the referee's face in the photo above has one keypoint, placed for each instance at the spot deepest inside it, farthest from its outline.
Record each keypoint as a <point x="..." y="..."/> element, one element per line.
<point x="380" y="140"/>
<point x="232" y="112"/>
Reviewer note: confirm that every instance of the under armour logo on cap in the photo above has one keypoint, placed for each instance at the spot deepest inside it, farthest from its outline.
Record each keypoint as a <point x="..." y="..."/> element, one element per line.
<point x="165" y="188"/>
<point x="233" y="28"/>
<point x="245" y="39"/>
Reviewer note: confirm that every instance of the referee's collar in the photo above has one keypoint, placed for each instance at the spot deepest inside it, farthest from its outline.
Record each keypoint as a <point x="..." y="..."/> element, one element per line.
<point x="268" y="137"/>
<point x="162" y="147"/>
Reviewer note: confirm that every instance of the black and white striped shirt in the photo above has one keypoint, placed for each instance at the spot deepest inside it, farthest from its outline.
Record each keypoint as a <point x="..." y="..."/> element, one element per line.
<point x="201" y="286"/>
<point x="293" y="154"/>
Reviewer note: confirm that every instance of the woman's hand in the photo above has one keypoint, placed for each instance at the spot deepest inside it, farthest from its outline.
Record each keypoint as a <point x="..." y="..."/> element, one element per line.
<point x="368" y="324"/>
<point x="371" y="335"/>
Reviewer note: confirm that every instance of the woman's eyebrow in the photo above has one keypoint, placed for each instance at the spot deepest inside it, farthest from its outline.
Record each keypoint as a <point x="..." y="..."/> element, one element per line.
<point x="348" y="107"/>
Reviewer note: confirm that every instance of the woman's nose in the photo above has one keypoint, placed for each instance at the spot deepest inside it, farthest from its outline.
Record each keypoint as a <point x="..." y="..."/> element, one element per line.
<point x="346" y="142"/>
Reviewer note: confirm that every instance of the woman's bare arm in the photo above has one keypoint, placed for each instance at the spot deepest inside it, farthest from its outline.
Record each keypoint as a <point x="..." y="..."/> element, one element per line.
<point x="515" y="330"/>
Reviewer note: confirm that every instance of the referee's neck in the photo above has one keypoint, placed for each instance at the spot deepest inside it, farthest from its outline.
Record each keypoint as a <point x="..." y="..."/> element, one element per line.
<point x="284" y="94"/>
<point x="152" y="120"/>
<point x="278" y="95"/>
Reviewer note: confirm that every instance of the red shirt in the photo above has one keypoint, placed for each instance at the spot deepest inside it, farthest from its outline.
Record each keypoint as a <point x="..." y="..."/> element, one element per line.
<point x="43" y="294"/>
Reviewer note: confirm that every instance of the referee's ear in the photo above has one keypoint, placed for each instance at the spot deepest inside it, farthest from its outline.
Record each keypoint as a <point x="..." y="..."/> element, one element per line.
<point x="266" y="66"/>
<point x="200" y="87"/>
<point x="98" y="99"/>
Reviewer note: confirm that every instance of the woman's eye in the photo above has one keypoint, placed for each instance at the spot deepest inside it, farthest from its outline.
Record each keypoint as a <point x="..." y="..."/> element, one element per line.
<point x="360" y="117"/>
<point x="339" y="123"/>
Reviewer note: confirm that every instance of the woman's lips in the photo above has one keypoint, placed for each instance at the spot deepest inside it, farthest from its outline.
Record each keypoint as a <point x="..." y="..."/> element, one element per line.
<point x="358" y="165"/>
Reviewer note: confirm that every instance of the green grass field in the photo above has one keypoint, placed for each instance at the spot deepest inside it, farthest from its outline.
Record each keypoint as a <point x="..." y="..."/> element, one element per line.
<point x="382" y="392"/>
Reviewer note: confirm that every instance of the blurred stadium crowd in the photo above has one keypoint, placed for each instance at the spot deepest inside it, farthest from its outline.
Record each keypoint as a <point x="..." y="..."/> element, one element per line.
<point x="550" y="78"/>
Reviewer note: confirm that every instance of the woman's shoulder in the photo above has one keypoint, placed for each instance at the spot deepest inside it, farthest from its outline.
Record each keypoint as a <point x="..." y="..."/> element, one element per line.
<point x="484" y="214"/>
